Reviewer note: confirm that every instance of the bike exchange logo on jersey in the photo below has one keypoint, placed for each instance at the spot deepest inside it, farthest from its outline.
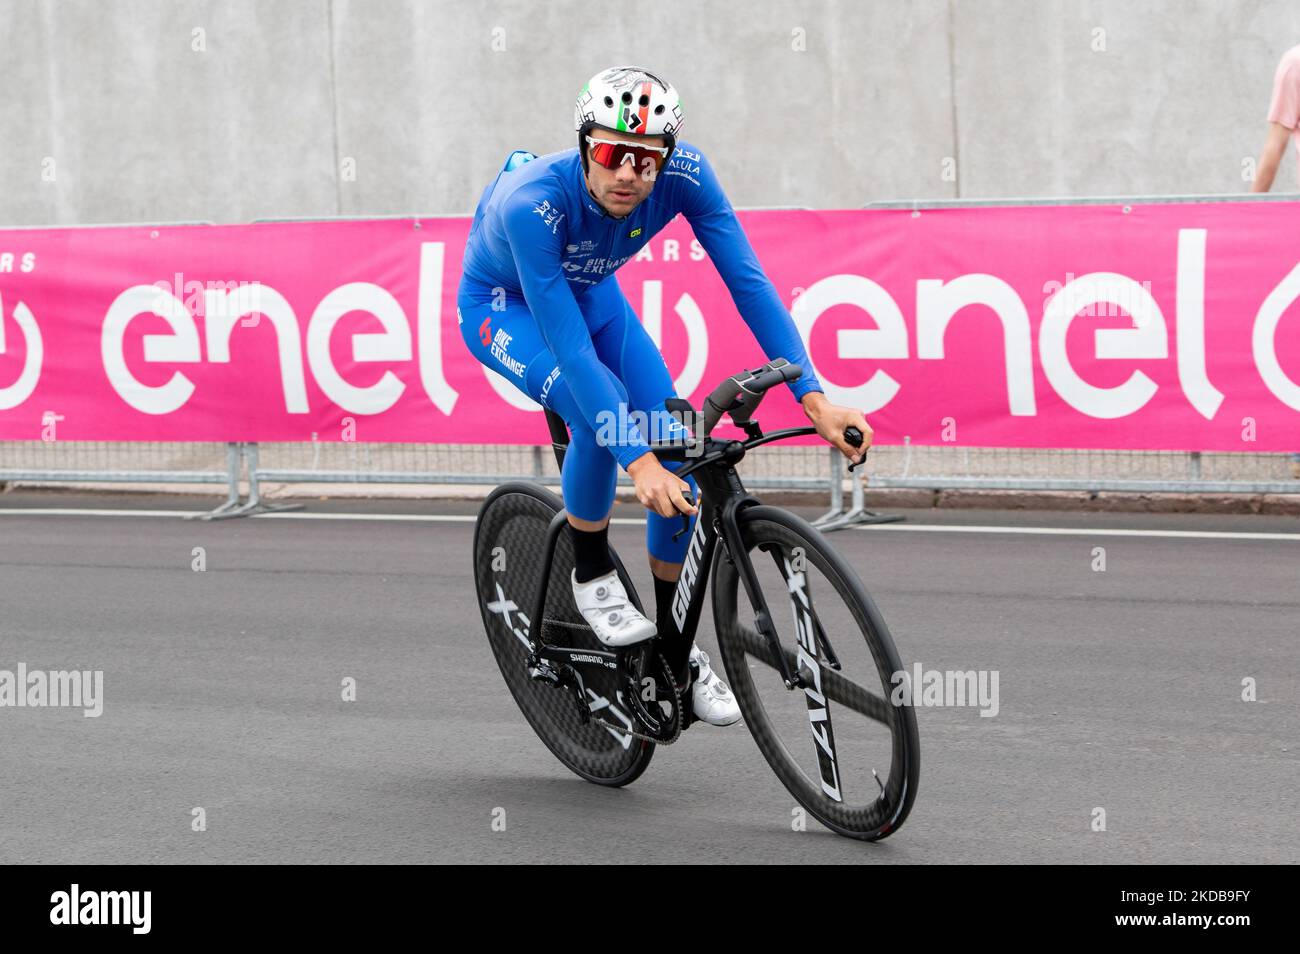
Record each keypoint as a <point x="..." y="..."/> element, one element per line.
<point x="498" y="349"/>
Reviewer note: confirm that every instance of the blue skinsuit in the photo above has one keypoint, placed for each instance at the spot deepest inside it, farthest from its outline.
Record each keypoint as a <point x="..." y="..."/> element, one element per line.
<point x="538" y="303"/>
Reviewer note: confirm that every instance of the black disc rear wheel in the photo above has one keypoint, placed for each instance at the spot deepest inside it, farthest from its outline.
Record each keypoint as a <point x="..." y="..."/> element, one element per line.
<point x="509" y="538"/>
<point x="839" y="744"/>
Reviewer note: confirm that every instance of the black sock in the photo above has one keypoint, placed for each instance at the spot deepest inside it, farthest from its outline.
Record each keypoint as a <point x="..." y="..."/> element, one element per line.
<point x="675" y="648"/>
<point x="590" y="553"/>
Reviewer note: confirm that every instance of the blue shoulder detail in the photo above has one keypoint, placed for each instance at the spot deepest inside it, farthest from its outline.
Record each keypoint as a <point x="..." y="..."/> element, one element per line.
<point x="517" y="159"/>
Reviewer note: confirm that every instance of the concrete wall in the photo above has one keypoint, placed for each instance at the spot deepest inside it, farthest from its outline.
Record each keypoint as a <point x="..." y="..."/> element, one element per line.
<point x="113" y="112"/>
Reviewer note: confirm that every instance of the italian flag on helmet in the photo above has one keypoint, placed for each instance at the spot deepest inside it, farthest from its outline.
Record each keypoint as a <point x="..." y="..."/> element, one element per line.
<point x="631" y="100"/>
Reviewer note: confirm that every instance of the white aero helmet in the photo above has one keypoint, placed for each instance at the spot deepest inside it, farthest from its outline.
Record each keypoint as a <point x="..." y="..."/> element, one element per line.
<point x="628" y="99"/>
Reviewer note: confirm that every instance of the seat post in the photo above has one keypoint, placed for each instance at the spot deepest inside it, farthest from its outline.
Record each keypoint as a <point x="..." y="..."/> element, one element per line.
<point x="559" y="436"/>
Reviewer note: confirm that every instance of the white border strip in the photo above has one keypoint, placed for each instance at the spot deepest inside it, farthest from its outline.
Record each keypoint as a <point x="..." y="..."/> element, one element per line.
<point x="634" y="521"/>
<point x="1082" y="532"/>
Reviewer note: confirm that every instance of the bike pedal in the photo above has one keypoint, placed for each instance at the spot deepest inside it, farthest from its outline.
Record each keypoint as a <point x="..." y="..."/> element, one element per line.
<point x="544" y="674"/>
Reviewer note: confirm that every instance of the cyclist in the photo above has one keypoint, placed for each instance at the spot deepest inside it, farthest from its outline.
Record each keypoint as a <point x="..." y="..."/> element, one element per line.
<point x="538" y="303"/>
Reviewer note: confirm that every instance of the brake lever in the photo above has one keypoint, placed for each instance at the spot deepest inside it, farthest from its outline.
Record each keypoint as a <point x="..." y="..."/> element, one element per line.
<point x="854" y="437"/>
<point x="686" y="518"/>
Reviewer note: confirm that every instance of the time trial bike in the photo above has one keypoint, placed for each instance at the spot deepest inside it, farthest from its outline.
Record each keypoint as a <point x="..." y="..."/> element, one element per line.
<point x="816" y="691"/>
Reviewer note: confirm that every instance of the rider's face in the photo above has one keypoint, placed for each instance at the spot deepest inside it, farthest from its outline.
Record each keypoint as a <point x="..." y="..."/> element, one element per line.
<point x="621" y="190"/>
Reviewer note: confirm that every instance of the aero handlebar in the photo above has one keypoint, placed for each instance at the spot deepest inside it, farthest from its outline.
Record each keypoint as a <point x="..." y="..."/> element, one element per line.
<point x="740" y="394"/>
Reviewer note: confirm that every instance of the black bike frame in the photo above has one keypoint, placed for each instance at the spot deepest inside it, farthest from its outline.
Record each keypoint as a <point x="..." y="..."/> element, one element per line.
<point x="722" y="498"/>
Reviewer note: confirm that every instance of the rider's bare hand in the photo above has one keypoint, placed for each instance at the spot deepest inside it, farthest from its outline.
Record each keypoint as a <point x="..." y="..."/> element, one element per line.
<point x="831" y="420"/>
<point x="658" y="488"/>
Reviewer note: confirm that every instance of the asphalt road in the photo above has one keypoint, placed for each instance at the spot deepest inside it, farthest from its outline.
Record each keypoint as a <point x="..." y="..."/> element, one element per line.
<point x="222" y="691"/>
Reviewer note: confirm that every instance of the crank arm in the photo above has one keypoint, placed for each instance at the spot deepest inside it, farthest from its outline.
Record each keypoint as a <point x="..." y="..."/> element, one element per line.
<point x="572" y="679"/>
<point x="568" y="656"/>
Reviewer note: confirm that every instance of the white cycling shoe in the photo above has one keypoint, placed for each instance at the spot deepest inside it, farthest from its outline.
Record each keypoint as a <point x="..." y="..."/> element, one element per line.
<point x="604" y="604"/>
<point x="711" y="699"/>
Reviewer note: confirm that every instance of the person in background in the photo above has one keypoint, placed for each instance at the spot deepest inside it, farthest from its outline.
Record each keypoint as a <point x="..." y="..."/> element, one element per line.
<point x="1283" y="126"/>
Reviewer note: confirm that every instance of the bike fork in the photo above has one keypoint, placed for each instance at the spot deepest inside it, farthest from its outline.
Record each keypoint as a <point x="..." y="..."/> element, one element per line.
<point x="762" y="616"/>
<point x="786" y="571"/>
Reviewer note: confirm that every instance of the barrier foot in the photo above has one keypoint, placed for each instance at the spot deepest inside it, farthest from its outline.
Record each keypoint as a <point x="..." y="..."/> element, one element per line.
<point x="858" y="513"/>
<point x="830" y="516"/>
<point x="252" y="508"/>
<point x="256" y="505"/>
<point x="246" y="453"/>
<point x="226" y="509"/>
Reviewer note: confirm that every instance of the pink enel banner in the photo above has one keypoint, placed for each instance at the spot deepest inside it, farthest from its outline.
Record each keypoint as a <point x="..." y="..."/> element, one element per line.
<point x="1096" y="326"/>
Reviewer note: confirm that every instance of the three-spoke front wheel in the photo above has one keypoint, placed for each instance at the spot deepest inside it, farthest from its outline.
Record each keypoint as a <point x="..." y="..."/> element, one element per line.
<point x="840" y="743"/>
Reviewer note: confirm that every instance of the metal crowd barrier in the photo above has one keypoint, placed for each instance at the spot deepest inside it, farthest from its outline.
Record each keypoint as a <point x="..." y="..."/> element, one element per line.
<point x="125" y="463"/>
<point x="817" y="469"/>
<point x="949" y="467"/>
